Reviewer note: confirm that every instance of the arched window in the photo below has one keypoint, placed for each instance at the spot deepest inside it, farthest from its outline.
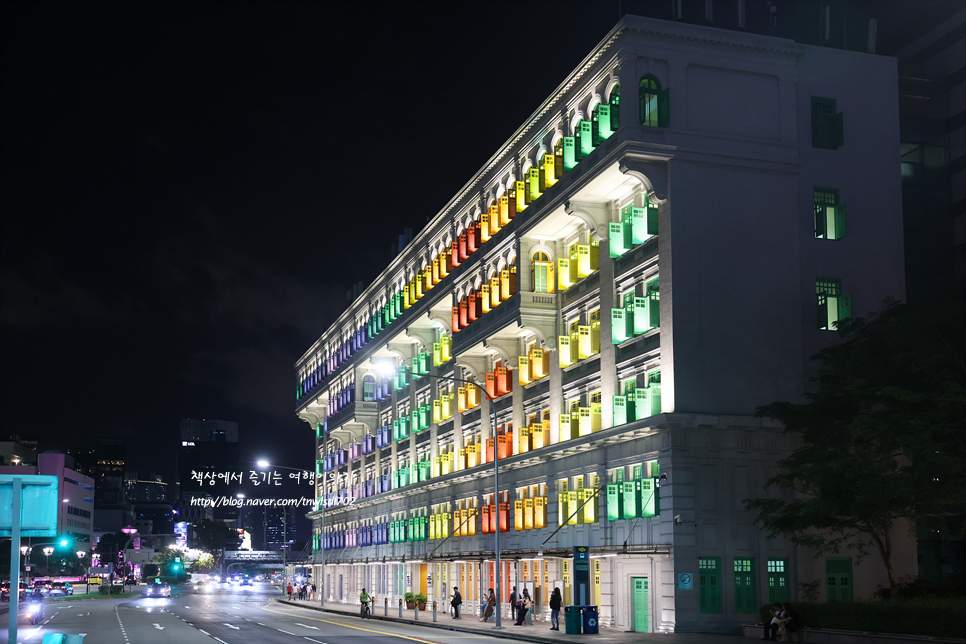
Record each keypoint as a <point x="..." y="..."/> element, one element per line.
<point x="369" y="388"/>
<point x="654" y="102"/>
<point x="615" y="106"/>
<point x="541" y="272"/>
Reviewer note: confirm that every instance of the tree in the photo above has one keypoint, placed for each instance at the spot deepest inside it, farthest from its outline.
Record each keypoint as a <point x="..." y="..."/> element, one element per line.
<point x="109" y="546"/>
<point x="204" y="563"/>
<point x="165" y="558"/>
<point x="213" y="537"/>
<point x="883" y="438"/>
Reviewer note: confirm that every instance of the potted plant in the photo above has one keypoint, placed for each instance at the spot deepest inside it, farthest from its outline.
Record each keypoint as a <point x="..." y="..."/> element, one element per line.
<point x="420" y="599"/>
<point x="410" y="600"/>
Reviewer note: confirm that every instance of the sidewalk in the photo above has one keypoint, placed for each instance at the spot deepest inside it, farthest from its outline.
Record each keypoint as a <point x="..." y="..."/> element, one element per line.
<point x="539" y="632"/>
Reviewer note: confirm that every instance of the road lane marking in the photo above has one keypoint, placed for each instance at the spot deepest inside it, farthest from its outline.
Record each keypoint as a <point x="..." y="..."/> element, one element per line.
<point x="286" y="632"/>
<point x="312" y="640"/>
<point x="201" y="631"/>
<point x="357" y="628"/>
<point x="232" y="626"/>
<point x="315" y="628"/>
<point x="221" y="640"/>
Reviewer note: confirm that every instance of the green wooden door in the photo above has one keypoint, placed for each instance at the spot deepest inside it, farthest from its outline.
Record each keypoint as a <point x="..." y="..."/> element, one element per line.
<point x="640" y="604"/>
<point x="838" y="579"/>
<point x="777" y="581"/>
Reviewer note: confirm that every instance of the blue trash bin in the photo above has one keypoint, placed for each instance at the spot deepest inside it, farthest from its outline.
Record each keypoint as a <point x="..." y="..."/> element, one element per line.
<point x="590" y="620"/>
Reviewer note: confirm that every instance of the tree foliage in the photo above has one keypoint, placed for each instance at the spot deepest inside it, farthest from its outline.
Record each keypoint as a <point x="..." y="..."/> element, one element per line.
<point x="109" y="546"/>
<point x="883" y="438"/>
<point x="204" y="563"/>
<point x="165" y="557"/>
<point x="213" y="537"/>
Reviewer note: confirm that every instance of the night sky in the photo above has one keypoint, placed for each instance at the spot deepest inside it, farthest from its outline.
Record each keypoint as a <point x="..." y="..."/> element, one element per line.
<point x="188" y="189"/>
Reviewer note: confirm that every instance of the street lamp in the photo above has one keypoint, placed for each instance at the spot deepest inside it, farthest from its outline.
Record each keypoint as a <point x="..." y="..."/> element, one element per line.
<point x="238" y="516"/>
<point x="87" y="578"/>
<point x="47" y="552"/>
<point x="132" y="532"/>
<point x="264" y="464"/>
<point x="25" y="552"/>
<point x="387" y="369"/>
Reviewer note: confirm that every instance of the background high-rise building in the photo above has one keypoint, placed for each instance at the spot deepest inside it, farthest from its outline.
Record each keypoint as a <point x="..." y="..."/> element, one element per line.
<point x="207" y="465"/>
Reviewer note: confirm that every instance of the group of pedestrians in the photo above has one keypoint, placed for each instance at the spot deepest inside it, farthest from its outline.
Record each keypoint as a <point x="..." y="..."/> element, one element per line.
<point x="301" y="591"/>
<point x="522" y="605"/>
<point x="784" y="620"/>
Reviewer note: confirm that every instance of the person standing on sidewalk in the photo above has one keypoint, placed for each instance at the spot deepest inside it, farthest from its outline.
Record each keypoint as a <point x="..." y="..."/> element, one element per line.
<point x="456" y="602"/>
<point x="490" y="603"/>
<point x="290" y="590"/>
<point x="555" y="601"/>
<point x="525" y="604"/>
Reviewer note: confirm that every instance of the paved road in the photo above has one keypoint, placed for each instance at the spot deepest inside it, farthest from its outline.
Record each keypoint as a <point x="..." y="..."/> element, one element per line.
<point x="230" y="616"/>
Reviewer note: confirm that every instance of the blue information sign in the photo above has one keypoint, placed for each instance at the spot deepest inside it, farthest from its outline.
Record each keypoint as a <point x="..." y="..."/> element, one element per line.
<point x="685" y="581"/>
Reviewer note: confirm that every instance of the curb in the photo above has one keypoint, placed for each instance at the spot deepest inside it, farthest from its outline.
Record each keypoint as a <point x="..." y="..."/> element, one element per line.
<point x="524" y="636"/>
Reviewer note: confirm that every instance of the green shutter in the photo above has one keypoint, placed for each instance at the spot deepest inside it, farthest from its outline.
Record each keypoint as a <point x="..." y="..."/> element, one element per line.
<point x="836" y="132"/>
<point x="654" y="310"/>
<point x="604" y="129"/>
<point x="616" y="238"/>
<point x="638" y="225"/>
<point x="821" y="227"/>
<point x="844" y="308"/>
<point x="640" y="315"/>
<point x="649" y="490"/>
<point x="841" y="226"/>
<point x="654" y="399"/>
<point x="615" y="501"/>
<point x="632" y="500"/>
<point x="664" y="109"/>
<point x="569" y="153"/>
<point x="620" y="410"/>
<point x="585" y="140"/>
<point x="651" y="220"/>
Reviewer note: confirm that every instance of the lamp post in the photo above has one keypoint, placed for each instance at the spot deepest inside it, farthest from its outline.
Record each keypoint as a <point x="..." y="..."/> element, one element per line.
<point x="132" y="532"/>
<point x="47" y="552"/>
<point x="387" y="369"/>
<point x="87" y="577"/>
<point x="238" y="517"/>
<point x="264" y="464"/>
<point x="25" y="552"/>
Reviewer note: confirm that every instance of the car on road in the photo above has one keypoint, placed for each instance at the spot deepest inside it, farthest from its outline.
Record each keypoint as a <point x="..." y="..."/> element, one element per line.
<point x="203" y="587"/>
<point x="246" y="582"/>
<point x="5" y="591"/>
<point x="157" y="590"/>
<point x="60" y="589"/>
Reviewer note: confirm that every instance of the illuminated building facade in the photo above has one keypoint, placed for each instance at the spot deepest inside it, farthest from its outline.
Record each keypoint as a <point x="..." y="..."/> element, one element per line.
<point x="655" y="253"/>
